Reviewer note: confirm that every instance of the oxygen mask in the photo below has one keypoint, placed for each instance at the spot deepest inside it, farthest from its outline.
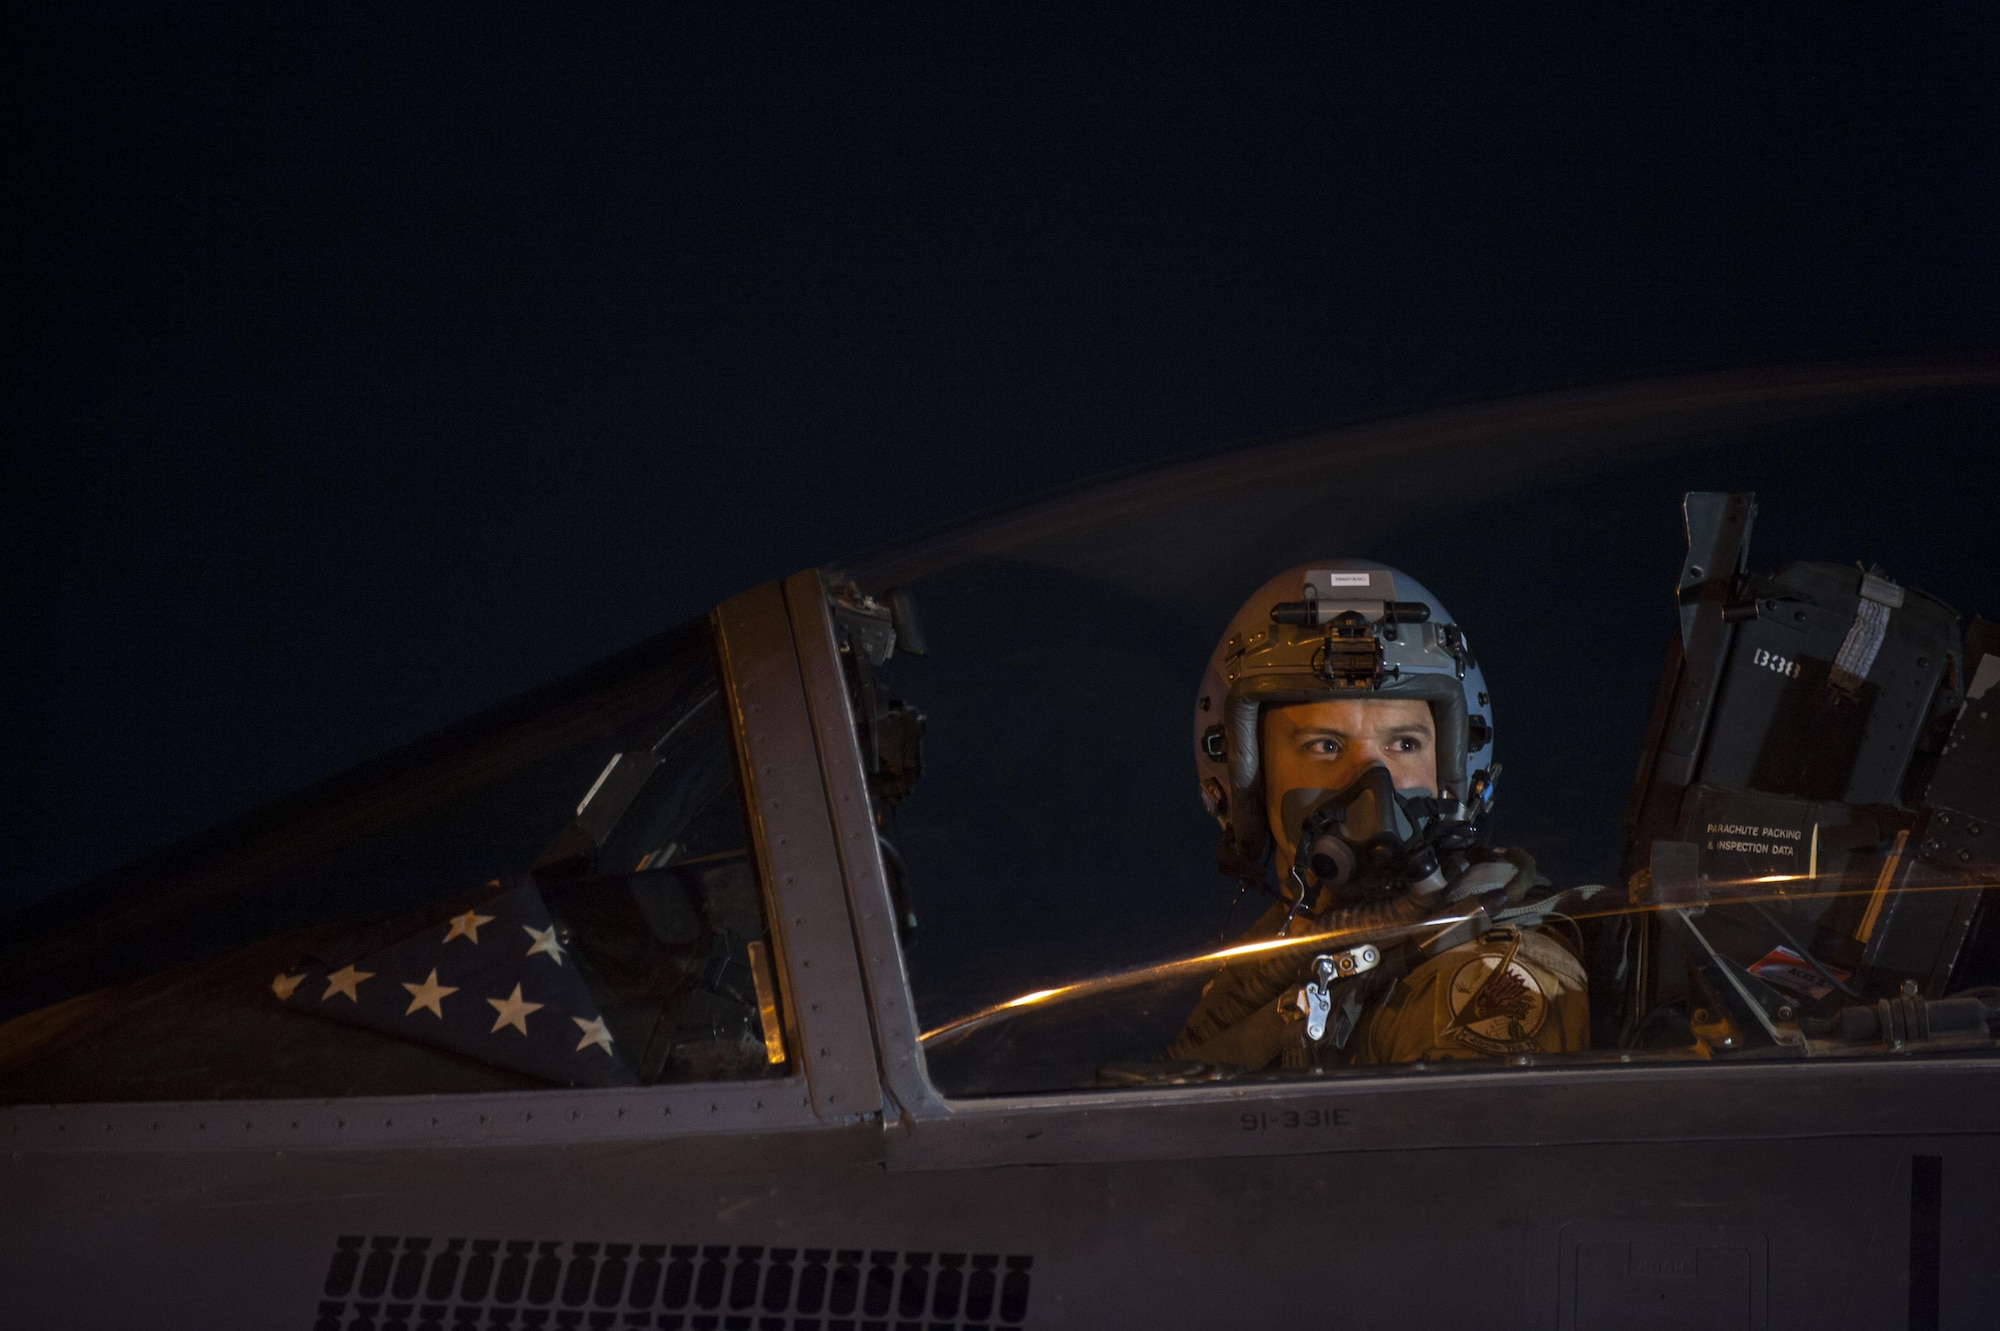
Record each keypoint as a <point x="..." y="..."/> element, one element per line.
<point x="1369" y="840"/>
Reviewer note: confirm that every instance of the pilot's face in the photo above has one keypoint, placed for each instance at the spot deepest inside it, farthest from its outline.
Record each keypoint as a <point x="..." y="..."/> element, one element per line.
<point x="1325" y="745"/>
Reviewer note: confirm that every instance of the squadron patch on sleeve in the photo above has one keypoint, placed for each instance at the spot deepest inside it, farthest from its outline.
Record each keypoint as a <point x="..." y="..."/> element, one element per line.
<point x="1497" y="1004"/>
<point x="1509" y="992"/>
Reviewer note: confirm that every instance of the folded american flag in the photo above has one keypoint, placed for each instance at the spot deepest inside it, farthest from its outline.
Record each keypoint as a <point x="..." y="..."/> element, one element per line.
<point x="492" y="983"/>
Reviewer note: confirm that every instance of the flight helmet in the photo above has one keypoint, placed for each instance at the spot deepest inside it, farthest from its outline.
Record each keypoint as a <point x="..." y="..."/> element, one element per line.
<point x="1334" y="628"/>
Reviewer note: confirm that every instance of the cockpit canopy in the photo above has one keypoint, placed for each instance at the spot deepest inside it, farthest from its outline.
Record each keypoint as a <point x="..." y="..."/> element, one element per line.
<point x="1038" y="814"/>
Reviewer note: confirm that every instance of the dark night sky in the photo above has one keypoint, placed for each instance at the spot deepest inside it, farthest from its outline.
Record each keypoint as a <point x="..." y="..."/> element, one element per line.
<point x="380" y="362"/>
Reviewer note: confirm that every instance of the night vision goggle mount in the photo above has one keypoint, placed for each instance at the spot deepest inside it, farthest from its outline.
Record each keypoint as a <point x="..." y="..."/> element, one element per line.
<point x="1350" y="656"/>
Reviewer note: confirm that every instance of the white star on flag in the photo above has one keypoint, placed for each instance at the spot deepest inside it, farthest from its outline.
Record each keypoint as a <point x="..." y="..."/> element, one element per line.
<point x="467" y="926"/>
<point x="513" y="1011"/>
<point x="345" y="981"/>
<point x="594" y="1033"/>
<point x="430" y="994"/>
<point x="446" y="1009"/>
<point x="545" y="941"/>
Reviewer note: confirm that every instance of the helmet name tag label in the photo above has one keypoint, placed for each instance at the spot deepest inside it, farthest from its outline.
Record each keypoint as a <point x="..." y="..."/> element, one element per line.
<point x="1349" y="584"/>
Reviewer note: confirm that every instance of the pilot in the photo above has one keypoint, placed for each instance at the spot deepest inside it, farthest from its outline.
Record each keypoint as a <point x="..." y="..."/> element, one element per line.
<point x="1343" y="738"/>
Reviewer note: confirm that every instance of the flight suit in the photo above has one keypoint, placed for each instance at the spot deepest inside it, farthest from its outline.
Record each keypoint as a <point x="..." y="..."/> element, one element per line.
<point x="1509" y="992"/>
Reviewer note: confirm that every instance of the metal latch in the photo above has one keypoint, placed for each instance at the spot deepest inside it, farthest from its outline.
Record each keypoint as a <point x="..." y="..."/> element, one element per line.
<point x="1315" y="996"/>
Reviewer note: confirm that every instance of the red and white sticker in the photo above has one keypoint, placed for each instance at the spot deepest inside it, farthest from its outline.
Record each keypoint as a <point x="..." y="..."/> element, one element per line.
<point x="1787" y="969"/>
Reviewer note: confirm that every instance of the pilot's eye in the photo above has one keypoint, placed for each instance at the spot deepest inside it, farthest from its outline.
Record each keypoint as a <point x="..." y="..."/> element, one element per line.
<point x="1324" y="748"/>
